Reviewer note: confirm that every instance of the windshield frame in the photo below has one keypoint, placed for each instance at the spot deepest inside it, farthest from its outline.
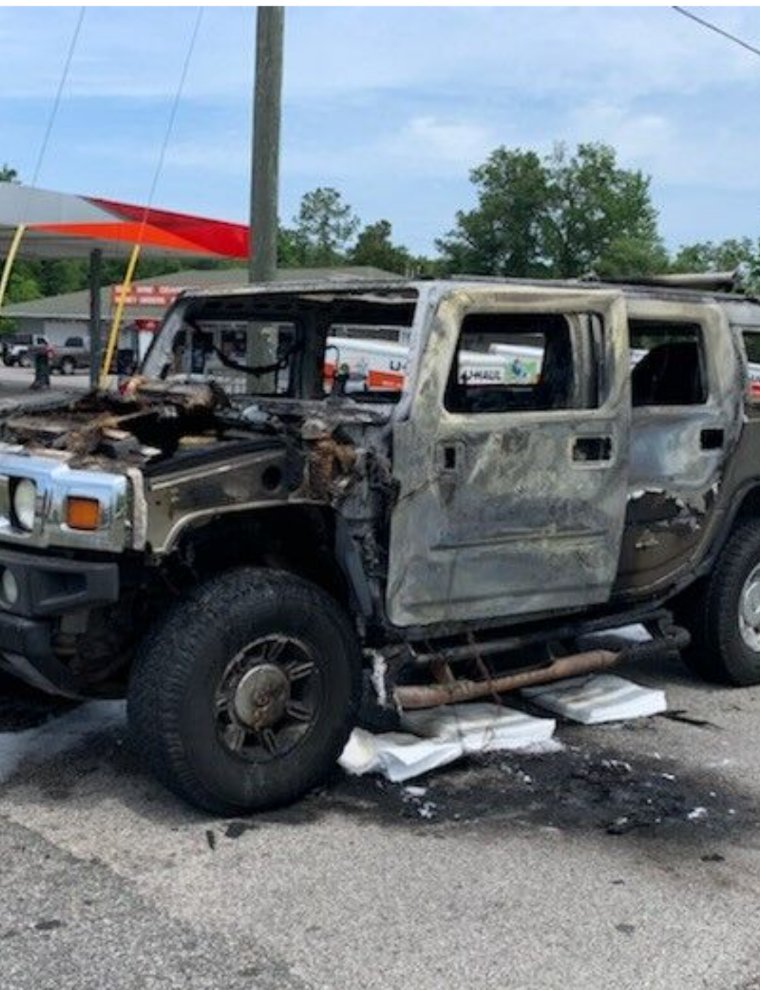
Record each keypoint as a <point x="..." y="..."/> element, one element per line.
<point x="310" y="310"/>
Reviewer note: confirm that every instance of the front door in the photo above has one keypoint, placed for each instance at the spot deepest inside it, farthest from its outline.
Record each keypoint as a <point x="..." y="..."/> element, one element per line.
<point x="512" y="464"/>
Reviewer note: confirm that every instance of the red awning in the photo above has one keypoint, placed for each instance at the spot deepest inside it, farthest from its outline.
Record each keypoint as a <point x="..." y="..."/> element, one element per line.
<point x="61" y="225"/>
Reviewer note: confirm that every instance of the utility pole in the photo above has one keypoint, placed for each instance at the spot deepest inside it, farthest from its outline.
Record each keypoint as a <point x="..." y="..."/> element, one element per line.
<point x="270" y="22"/>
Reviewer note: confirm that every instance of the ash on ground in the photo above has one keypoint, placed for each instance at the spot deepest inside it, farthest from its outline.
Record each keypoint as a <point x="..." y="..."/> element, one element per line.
<point x="576" y="789"/>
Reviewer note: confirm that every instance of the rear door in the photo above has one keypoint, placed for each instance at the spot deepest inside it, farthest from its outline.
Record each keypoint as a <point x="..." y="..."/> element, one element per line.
<point x="512" y="472"/>
<point x="686" y="418"/>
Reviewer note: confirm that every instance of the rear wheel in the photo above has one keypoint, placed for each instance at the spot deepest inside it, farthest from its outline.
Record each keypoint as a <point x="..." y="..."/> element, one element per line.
<point x="67" y="366"/>
<point x="723" y="614"/>
<point x="25" y="361"/>
<point x="244" y="697"/>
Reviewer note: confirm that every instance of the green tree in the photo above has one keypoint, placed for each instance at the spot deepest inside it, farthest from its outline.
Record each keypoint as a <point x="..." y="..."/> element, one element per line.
<point x="706" y="256"/>
<point x="557" y="216"/>
<point x="374" y="246"/>
<point x="8" y="174"/>
<point x="504" y="234"/>
<point x="22" y="285"/>
<point x="632" y="257"/>
<point x="324" y="226"/>
<point x="292" y="249"/>
<point x="600" y="215"/>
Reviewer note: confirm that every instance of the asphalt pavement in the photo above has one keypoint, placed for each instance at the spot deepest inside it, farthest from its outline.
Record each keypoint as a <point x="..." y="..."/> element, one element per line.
<point x="628" y="859"/>
<point x="16" y="383"/>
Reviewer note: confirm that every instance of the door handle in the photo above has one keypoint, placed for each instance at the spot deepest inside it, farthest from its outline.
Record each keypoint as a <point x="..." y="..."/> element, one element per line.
<point x="712" y="439"/>
<point x="592" y="448"/>
<point x="449" y="457"/>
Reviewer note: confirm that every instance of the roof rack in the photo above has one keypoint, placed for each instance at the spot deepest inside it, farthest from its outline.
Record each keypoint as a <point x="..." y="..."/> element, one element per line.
<point x="733" y="281"/>
<point x="706" y="281"/>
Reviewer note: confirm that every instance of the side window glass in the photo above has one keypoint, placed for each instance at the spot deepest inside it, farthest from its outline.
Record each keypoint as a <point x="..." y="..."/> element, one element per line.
<point x="510" y="362"/>
<point x="668" y="363"/>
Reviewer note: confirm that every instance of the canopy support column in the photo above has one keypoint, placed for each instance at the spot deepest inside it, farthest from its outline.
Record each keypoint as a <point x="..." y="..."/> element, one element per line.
<point x="96" y="330"/>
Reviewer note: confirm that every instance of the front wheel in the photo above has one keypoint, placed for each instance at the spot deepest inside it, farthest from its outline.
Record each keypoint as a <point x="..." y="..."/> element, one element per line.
<point x="244" y="697"/>
<point x="723" y="614"/>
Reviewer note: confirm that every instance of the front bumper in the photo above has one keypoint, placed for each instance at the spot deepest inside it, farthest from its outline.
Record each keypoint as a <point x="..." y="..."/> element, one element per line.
<point x="48" y="589"/>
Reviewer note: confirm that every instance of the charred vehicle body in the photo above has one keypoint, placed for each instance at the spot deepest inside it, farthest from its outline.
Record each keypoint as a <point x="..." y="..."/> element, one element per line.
<point x="241" y="534"/>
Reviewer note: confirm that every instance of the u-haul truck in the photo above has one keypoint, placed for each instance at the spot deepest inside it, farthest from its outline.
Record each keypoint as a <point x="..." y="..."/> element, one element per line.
<point x="382" y="364"/>
<point x="371" y="364"/>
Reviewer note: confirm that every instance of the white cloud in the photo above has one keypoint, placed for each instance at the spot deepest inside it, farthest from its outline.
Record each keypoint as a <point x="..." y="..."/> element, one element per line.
<point x="222" y="154"/>
<point x="673" y="148"/>
<point x="339" y="53"/>
<point x="431" y="144"/>
<point x="420" y="146"/>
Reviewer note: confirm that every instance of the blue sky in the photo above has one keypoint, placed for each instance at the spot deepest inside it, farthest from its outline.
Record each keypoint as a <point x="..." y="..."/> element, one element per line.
<point x="392" y="106"/>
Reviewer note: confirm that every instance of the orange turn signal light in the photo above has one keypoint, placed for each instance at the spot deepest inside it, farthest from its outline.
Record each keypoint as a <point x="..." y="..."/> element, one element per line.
<point x="82" y="513"/>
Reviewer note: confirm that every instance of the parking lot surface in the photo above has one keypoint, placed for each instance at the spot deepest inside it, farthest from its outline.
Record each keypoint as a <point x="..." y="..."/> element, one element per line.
<point x="629" y="858"/>
<point x="16" y="383"/>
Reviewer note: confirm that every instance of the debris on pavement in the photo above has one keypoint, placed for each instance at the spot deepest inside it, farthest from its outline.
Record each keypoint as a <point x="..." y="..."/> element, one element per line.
<point x="439" y="736"/>
<point x="397" y="755"/>
<point x="434" y="737"/>
<point x="597" y="698"/>
<point x="679" y="715"/>
<point x="480" y="726"/>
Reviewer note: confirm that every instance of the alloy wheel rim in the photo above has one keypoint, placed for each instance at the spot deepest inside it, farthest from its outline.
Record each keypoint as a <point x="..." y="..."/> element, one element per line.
<point x="749" y="610"/>
<point x="268" y="699"/>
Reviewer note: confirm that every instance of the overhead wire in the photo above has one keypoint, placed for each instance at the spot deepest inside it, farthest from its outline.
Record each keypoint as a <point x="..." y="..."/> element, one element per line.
<point x="718" y="30"/>
<point x="59" y="93"/>
<point x="135" y="253"/>
<point x="21" y="227"/>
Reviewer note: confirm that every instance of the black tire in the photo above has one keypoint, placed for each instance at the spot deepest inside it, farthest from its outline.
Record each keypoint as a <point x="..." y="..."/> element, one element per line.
<point x="719" y="651"/>
<point x="67" y="366"/>
<point x="191" y="741"/>
<point x="25" y="361"/>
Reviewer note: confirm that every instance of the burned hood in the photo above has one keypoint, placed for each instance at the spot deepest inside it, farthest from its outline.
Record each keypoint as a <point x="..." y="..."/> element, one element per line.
<point x="99" y="430"/>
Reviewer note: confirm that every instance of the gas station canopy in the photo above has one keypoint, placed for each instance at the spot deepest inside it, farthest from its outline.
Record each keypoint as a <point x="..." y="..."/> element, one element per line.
<point x="59" y="225"/>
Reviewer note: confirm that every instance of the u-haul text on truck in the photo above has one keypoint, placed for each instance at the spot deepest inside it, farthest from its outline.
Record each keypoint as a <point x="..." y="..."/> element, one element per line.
<point x="382" y="364"/>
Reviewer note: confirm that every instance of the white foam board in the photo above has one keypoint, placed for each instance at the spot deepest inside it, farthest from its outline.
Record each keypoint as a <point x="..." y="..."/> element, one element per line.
<point x="481" y="725"/>
<point x="597" y="698"/>
<point x="396" y="755"/>
<point x="441" y="735"/>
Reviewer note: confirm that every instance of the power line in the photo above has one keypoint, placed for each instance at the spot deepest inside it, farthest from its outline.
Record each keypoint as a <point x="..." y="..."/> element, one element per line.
<point x="717" y="30"/>
<point x="172" y="118"/>
<point x="135" y="255"/>
<point x="57" y="100"/>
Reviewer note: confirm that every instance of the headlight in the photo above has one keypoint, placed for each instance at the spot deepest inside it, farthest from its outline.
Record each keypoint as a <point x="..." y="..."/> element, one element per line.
<point x="25" y="504"/>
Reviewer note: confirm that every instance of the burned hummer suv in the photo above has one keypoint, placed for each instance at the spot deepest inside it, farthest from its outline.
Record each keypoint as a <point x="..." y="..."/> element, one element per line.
<point x="273" y="507"/>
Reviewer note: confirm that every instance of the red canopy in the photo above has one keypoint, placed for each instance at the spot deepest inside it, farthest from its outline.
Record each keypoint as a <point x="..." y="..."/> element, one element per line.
<point x="61" y="225"/>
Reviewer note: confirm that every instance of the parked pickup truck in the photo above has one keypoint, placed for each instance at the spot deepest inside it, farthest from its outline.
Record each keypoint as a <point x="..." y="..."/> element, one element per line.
<point x="18" y="348"/>
<point x="232" y="539"/>
<point x="73" y="356"/>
